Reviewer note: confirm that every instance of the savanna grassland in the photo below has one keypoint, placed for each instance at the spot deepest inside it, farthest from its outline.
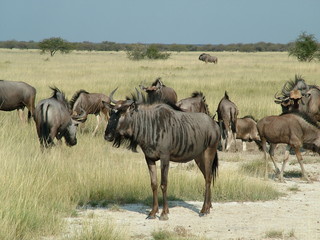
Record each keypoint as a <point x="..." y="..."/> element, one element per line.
<point x="39" y="189"/>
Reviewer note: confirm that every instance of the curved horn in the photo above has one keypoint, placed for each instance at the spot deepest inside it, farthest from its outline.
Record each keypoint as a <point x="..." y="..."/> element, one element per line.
<point x="140" y="97"/>
<point x="142" y="87"/>
<point x="111" y="96"/>
<point x="276" y="96"/>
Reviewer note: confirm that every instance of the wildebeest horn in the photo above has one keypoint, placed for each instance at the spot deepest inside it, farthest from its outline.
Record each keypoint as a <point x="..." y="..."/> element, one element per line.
<point x="139" y="95"/>
<point x="111" y="96"/>
<point x="142" y="87"/>
<point x="278" y="99"/>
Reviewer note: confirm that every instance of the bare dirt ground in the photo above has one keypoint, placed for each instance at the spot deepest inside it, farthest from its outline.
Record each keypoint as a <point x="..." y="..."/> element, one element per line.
<point x="296" y="216"/>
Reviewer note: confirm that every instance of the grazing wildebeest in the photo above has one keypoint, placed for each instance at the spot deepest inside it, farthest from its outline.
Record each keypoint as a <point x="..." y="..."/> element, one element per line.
<point x="54" y="119"/>
<point x="297" y="95"/>
<point x="205" y="57"/>
<point x="295" y="129"/>
<point x="166" y="134"/>
<point x="195" y="103"/>
<point x="227" y="117"/>
<point x="247" y="131"/>
<point x="91" y="103"/>
<point x="17" y="95"/>
<point x="158" y="92"/>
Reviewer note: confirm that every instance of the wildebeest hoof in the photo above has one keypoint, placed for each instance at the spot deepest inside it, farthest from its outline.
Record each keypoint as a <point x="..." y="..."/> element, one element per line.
<point x="164" y="217"/>
<point x="151" y="217"/>
<point x="203" y="214"/>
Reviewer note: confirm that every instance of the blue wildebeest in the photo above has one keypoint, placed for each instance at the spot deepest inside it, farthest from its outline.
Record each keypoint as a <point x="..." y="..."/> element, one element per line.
<point x="158" y="92"/>
<point x="91" y="103"/>
<point x="297" y="95"/>
<point x="17" y="95"/>
<point x="166" y="134"/>
<point x="247" y="132"/>
<point x="205" y="57"/>
<point x="227" y="116"/>
<point x="54" y="119"/>
<point x="295" y="129"/>
<point x="195" y="103"/>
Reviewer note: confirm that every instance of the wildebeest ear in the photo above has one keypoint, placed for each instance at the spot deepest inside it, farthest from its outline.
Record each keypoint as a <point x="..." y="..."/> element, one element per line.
<point x="133" y="107"/>
<point x="80" y="118"/>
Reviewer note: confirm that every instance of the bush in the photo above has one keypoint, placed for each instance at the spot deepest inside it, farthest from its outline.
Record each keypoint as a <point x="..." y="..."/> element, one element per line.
<point x="140" y="52"/>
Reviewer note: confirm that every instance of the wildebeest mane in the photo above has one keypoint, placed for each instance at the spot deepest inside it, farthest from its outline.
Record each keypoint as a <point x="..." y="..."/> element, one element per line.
<point x="60" y="96"/>
<point x="76" y="96"/>
<point x="226" y="96"/>
<point x="298" y="83"/>
<point x="158" y="80"/>
<point x="142" y="100"/>
<point x="200" y="94"/>
<point x="304" y="116"/>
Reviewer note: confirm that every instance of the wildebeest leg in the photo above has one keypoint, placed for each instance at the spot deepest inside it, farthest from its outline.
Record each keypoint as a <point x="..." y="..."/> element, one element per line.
<point x="244" y="146"/>
<point x="285" y="160"/>
<point x="21" y="115"/>
<point x="271" y="152"/>
<point x="154" y="187"/>
<point x="234" y="136"/>
<point x="164" y="182"/>
<point x="264" y="148"/>
<point x="229" y="139"/>
<point x="223" y="136"/>
<point x="299" y="157"/>
<point x="98" y="123"/>
<point x="204" y="162"/>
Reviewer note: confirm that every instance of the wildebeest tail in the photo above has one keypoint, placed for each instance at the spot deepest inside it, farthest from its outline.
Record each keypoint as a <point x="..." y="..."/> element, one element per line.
<point x="44" y="137"/>
<point x="215" y="166"/>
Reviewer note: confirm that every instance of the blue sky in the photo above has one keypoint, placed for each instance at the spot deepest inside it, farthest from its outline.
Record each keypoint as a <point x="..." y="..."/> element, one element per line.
<point x="161" y="21"/>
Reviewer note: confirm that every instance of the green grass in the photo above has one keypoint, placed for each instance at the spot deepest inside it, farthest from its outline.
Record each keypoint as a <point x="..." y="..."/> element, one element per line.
<point x="37" y="190"/>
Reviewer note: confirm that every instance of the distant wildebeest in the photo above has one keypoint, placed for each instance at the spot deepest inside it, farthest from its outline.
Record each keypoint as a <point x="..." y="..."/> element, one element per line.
<point x="227" y="116"/>
<point x="297" y="95"/>
<point x="205" y="57"/>
<point x="295" y="129"/>
<point x="247" y="131"/>
<point x="91" y="103"/>
<point x="17" y="96"/>
<point x="54" y="119"/>
<point x="195" y="103"/>
<point x="158" y="92"/>
<point x="166" y="134"/>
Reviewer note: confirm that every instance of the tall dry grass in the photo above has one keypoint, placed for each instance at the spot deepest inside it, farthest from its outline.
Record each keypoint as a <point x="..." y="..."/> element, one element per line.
<point x="38" y="189"/>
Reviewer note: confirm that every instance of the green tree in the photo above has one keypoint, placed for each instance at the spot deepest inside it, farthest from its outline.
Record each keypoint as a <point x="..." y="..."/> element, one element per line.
<point x="52" y="45"/>
<point x="305" y="48"/>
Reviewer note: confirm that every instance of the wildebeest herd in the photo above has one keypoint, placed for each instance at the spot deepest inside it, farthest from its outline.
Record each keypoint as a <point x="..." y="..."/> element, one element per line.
<point x="169" y="130"/>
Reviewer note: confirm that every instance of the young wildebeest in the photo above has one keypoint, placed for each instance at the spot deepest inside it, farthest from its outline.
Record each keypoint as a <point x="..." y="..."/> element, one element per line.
<point x="54" y="119"/>
<point x="247" y="132"/>
<point x="205" y="57"/>
<point x="295" y="129"/>
<point x="91" y="103"/>
<point x="158" y="92"/>
<point x="195" y="103"/>
<point x="227" y="117"/>
<point x="166" y="134"/>
<point x="17" y="95"/>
